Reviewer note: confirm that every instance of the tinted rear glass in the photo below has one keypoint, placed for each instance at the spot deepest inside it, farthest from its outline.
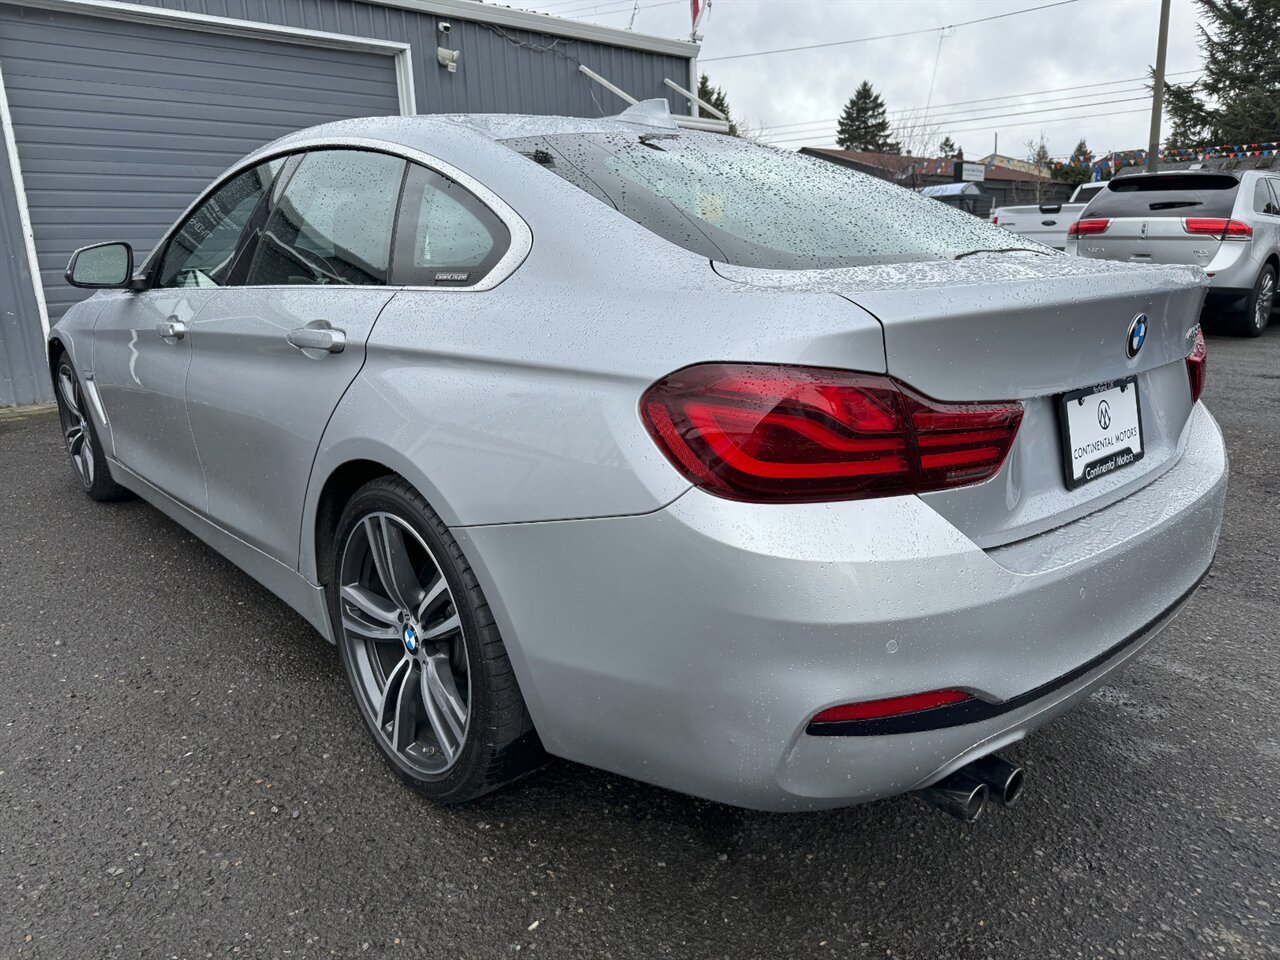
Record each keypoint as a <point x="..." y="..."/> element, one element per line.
<point x="1087" y="193"/>
<point x="736" y="202"/>
<point x="1166" y="195"/>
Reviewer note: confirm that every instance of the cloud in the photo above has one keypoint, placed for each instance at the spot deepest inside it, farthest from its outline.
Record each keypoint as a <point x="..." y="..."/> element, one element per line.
<point x="1085" y="42"/>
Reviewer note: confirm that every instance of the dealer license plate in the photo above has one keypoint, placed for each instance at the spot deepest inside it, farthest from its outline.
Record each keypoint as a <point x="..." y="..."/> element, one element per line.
<point x="1101" y="431"/>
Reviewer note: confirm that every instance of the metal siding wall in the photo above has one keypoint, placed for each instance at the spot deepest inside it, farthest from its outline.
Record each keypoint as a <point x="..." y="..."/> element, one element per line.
<point x="22" y="366"/>
<point x="501" y="70"/>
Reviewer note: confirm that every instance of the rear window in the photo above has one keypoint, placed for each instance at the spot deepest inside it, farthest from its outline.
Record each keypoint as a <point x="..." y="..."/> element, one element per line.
<point x="736" y="202"/>
<point x="1166" y="195"/>
<point x="1085" y="194"/>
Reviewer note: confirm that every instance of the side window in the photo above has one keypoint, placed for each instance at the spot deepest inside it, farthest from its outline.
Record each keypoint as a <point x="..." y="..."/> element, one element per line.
<point x="1274" y="208"/>
<point x="446" y="237"/>
<point x="1262" y="199"/>
<point x="203" y="251"/>
<point x="333" y="222"/>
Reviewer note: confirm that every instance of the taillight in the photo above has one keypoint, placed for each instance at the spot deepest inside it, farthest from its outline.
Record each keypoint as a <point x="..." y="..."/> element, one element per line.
<point x="890" y="706"/>
<point x="783" y="434"/>
<point x="1197" y="360"/>
<point x="1218" y="227"/>
<point x="1083" y="228"/>
<point x="995" y="220"/>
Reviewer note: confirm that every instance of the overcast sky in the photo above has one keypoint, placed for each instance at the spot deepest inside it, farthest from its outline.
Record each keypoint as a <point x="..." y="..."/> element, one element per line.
<point x="1082" y="42"/>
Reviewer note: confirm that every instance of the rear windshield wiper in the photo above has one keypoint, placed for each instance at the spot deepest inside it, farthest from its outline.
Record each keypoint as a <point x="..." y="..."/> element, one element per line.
<point x="1173" y="204"/>
<point x="970" y="253"/>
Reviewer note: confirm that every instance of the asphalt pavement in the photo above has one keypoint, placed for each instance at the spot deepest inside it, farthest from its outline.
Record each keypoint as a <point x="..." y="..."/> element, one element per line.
<point x="183" y="774"/>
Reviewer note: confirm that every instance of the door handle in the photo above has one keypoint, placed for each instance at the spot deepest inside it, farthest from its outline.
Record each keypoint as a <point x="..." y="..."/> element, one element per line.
<point x="172" y="329"/>
<point x="318" y="335"/>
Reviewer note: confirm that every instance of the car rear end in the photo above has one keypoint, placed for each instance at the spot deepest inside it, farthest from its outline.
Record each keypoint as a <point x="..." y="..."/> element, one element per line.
<point x="878" y="573"/>
<point x="1195" y="218"/>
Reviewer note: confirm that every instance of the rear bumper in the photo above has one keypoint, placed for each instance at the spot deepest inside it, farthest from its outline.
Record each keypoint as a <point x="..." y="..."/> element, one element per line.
<point x="689" y="647"/>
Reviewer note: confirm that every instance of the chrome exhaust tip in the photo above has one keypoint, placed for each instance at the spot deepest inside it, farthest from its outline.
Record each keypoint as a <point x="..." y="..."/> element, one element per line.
<point x="1005" y="779"/>
<point x="961" y="795"/>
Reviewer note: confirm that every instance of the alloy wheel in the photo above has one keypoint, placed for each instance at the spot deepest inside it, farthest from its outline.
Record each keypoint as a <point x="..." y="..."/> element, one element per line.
<point x="1266" y="298"/>
<point x="405" y="640"/>
<point x="75" y="428"/>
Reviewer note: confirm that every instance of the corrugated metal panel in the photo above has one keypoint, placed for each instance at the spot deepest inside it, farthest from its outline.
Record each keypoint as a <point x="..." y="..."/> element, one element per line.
<point x="502" y="70"/>
<point x="119" y="125"/>
<point x="22" y="370"/>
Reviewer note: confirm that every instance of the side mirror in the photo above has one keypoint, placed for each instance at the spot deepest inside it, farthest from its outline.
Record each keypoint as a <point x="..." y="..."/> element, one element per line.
<point x="102" y="265"/>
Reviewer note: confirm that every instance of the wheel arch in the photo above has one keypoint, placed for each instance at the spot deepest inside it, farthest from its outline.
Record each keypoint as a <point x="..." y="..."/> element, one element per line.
<point x="340" y="470"/>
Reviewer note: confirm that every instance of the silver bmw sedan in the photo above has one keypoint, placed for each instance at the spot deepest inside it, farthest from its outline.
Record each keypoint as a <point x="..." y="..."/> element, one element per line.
<point x="705" y="463"/>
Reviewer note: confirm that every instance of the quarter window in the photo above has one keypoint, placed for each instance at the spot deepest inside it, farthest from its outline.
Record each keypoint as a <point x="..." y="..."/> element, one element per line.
<point x="1263" y="201"/>
<point x="333" y="222"/>
<point x="204" y="250"/>
<point x="447" y="237"/>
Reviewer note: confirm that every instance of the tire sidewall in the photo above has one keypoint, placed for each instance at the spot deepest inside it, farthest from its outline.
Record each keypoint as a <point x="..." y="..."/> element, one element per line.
<point x="378" y="497"/>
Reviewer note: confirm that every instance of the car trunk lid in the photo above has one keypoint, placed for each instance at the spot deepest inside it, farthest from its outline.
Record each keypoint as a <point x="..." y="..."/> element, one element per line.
<point x="1027" y="327"/>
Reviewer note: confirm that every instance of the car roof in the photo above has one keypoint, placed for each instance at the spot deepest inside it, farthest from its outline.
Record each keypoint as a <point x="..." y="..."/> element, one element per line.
<point x="423" y="131"/>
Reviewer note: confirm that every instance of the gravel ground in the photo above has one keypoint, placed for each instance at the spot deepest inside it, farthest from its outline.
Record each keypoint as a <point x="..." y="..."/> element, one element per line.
<point x="182" y="774"/>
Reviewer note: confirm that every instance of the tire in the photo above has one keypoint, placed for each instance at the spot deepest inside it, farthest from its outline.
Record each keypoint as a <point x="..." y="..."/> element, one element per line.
<point x="456" y="736"/>
<point x="84" y="450"/>
<point x="1262" y="300"/>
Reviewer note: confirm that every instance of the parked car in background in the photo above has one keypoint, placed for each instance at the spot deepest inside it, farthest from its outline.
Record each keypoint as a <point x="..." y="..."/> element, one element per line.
<point x="1228" y="223"/>
<point x="1046" y="223"/>
<point x="712" y="465"/>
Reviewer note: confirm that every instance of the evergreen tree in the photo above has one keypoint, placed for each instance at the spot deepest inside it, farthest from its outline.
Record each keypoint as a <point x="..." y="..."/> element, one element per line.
<point x="715" y="96"/>
<point x="1238" y="98"/>
<point x="1079" y="167"/>
<point x="948" y="150"/>
<point x="864" y="125"/>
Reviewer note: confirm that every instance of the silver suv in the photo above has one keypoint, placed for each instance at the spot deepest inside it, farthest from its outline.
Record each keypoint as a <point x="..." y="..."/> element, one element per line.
<point x="1226" y="222"/>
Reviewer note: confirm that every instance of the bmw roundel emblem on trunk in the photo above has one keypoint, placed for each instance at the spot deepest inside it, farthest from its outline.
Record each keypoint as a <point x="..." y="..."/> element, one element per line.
<point x="1137" y="334"/>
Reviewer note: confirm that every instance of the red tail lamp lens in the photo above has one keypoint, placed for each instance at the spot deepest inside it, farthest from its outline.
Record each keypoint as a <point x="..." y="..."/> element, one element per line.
<point x="1197" y="360"/>
<point x="1082" y="228"/>
<point x="890" y="707"/>
<point x="1218" y="227"/>
<point x="782" y="434"/>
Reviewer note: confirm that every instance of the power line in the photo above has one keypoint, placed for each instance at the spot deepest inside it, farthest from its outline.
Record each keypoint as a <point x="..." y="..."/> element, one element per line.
<point x="914" y="127"/>
<point x="1002" y="126"/>
<point x="1008" y="96"/>
<point x="890" y="36"/>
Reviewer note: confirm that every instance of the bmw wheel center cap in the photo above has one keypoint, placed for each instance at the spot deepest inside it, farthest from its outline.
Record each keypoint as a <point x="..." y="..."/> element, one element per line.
<point x="410" y="640"/>
<point x="1137" y="335"/>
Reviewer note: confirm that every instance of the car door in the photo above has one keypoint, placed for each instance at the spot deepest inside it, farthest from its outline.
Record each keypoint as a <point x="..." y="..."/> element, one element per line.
<point x="142" y="343"/>
<point x="271" y="358"/>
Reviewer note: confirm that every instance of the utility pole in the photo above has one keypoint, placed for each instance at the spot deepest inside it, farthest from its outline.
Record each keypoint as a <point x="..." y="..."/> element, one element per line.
<point x="1157" y="91"/>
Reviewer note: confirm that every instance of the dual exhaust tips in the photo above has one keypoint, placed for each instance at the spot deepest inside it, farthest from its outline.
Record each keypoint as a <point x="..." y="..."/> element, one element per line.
<point x="964" y="794"/>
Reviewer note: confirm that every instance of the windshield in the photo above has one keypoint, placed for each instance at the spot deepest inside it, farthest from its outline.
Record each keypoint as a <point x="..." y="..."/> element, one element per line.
<point x="1166" y="195"/>
<point x="736" y="202"/>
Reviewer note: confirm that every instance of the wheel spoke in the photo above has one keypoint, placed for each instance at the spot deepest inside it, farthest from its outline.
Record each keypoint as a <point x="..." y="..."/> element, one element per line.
<point x="404" y="728"/>
<point x="432" y="595"/>
<point x="391" y="692"/>
<point x="446" y="712"/>
<point x="391" y="558"/>
<point x="442" y="629"/>
<point x="69" y="393"/>
<point x="75" y="436"/>
<point x="377" y="617"/>
<point x="86" y="459"/>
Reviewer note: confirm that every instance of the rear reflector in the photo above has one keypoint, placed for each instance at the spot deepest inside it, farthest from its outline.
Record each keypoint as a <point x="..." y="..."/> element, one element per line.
<point x="890" y="707"/>
<point x="1197" y="360"/>
<point x="1083" y="228"/>
<point x="782" y="434"/>
<point x="1218" y="227"/>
